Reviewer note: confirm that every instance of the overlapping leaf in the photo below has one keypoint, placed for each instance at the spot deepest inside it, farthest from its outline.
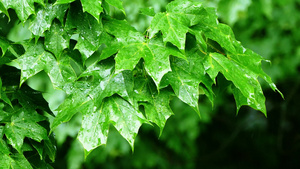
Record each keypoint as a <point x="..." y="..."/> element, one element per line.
<point x="37" y="59"/>
<point x="133" y="47"/>
<point x="243" y="79"/>
<point x="4" y="44"/>
<point x="3" y="9"/>
<point x="3" y="95"/>
<point x="23" y="123"/>
<point x="88" y="97"/>
<point x="175" y="22"/>
<point x="44" y="17"/>
<point x="92" y="7"/>
<point x="23" y="8"/>
<point x="56" y="39"/>
<point x="156" y="104"/>
<point x="186" y="77"/>
<point x="115" y="110"/>
<point x="116" y="3"/>
<point x="134" y="70"/>
<point x="87" y="27"/>
<point x="105" y="84"/>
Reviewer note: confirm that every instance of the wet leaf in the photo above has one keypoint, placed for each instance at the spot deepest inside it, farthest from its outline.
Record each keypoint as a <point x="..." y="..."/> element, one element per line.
<point x="105" y="84"/>
<point x="24" y="124"/>
<point x="93" y="7"/>
<point x="56" y="40"/>
<point x="131" y="50"/>
<point x="36" y="59"/>
<point x="23" y="8"/>
<point x="63" y="1"/>
<point x="44" y="17"/>
<point x="156" y="104"/>
<point x="4" y="44"/>
<point x="186" y="77"/>
<point x="175" y="22"/>
<point x="113" y="110"/>
<point x="89" y="32"/>
<point x="243" y="79"/>
<point x="2" y="9"/>
<point x="116" y="3"/>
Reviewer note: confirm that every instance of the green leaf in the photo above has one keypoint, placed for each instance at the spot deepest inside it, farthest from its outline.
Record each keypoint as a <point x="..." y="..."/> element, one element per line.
<point x="175" y="22"/>
<point x="131" y="50"/>
<point x="116" y="3"/>
<point x="105" y="84"/>
<point x="246" y="58"/>
<point x="148" y="11"/>
<point x="63" y="2"/>
<point x="56" y="39"/>
<point x="186" y="77"/>
<point x="37" y="59"/>
<point x="220" y="33"/>
<point x="4" y="149"/>
<point x="39" y="148"/>
<point x="44" y="17"/>
<point x="24" y="124"/>
<point x="154" y="53"/>
<point x="2" y="9"/>
<point x="3" y="95"/>
<point x="156" y="104"/>
<point x="87" y="27"/>
<point x="23" y="8"/>
<point x="114" y="110"/>
<point x="93" y="7"/>
<point x="19" y="161"/>
<point x="4" y="44"/>
<point x="243" y="79"/>
<point x="50" y="148"/>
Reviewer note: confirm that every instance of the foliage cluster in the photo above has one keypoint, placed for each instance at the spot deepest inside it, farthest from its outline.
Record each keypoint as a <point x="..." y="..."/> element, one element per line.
<point x="110" y="72"/>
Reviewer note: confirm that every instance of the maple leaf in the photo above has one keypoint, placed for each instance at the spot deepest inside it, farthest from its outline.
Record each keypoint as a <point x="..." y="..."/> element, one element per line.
<point x="63" y="2"/>
<point x="113" y="110"/>
<point x="37" y="59"/>
<point x="186" y="76"/>
<point x="56" y="39"/>
<point x="104" y="84"/>
<point x="4" y="45"/>
<point x="3" y="95"/>
<point x="156" y="104"/>
<point x="23" y="8"/>
<point x="243" y="79"/>
<point x="23" y="123"/>
<point x="92" y="7"/>
<point x="116" y="3"/>
<point x="238" y="56"/>
<point x="44" y="17"/>
<point x="87" y="27"/>
<point x="133" y="46"/>
<point x="175" y="22"/>
<point x="4" y="10"/>
<point x="88" y="97"/>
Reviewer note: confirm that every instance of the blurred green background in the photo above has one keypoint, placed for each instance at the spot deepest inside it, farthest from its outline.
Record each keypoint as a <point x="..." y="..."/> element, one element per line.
<point x="220" y="139"/>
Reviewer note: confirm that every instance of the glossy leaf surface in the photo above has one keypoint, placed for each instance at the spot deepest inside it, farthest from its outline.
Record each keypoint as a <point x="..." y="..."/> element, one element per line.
<point x="44" y="17"/>
<point x="23" y="8"/>
<point x="111" y="75"/>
